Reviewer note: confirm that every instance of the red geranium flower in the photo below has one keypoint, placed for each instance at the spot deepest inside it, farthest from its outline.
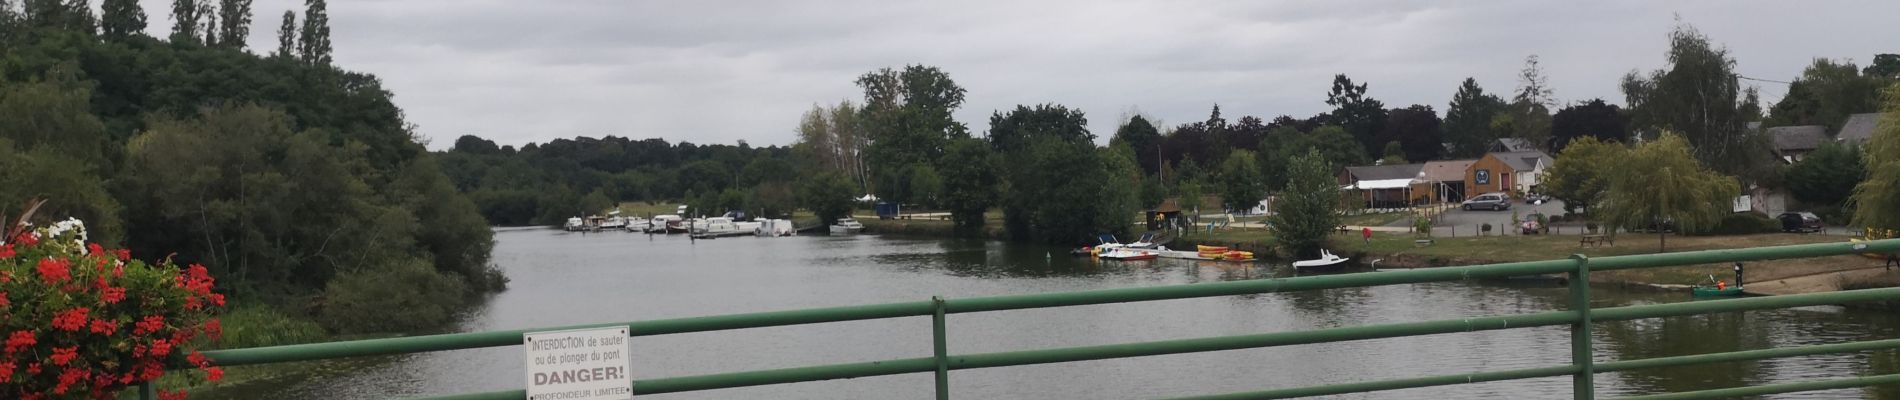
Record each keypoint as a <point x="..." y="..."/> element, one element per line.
<point x="112" y="295"/>
<point x="214" y="373"/>
<point x="63" y="355"/>
<point x="71" y="320"/>
<point x="6" y="371"/>
<point x="93" y="249"/>
<point x="19" y="340"/>
<point x="55" y="270"/>
<point x="4" y="303"/>
<point x="151" y="323"/>
<point x="104" y="327"/>
<point x="123" y="254"/>
<point x="6" y="251"/>
<point x="161" y="347"/>
<point x="178" y="395"/>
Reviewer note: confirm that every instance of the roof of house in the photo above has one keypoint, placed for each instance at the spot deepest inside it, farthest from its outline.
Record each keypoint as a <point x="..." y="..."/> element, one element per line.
<point x="1382" y="172"/>
<point x="1858" y="129"/>
<point x="1447" y="170"/>
<point x="1523" y="160"/>
<point x="1794" y="138"/>
<point x="1513" y="145"/>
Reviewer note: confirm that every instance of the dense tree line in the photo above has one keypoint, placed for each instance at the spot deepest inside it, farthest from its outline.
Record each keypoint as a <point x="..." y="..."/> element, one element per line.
<point x="296" y="182"/>
<point x="546" y="183"/>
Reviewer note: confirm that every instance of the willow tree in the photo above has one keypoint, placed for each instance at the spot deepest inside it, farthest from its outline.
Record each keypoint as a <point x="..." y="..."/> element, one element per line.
<point x="1877" y="200"/>
<point x="1661" y="181"/>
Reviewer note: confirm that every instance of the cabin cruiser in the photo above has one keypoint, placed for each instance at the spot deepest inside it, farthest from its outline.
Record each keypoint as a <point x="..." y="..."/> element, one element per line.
<point x="846" y="226"/>
<point x="660" y="223"/>
<point x="613" y="223"/>
<point x="776" y="228"/>
<point x="723" y="226"/>
<point x="575" y="224"/>
<point x="636" y="224"/>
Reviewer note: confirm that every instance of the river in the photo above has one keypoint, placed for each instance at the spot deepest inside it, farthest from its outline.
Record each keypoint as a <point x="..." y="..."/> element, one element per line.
<point x="568" y="278"/>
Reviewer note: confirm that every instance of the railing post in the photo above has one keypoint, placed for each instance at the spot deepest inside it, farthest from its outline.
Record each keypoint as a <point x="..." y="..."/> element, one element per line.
<point x="941" y="349"/>
<point x="1583" y="385"/>
<point x="146" y="391"/>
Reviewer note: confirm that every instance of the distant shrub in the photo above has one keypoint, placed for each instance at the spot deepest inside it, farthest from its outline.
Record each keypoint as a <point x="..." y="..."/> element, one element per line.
<point x="261" y="325"/>
<point x="403" y="296"/>
<point x="1744" y="224"/>
<point x="1486" y="228"/>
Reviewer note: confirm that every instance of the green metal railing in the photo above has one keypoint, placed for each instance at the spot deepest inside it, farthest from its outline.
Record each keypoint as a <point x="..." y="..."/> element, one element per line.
<point x="1580" y="316"/>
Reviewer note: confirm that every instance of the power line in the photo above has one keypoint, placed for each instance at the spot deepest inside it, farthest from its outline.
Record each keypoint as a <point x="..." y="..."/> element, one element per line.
<point x="1739" y="76"/>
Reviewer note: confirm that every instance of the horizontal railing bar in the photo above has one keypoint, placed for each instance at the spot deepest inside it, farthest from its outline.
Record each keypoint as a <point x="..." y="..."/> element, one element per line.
<point x="1738" y="392"/>
<point x="1179" y="346"/>
<point x="1742" y="304"/>
<point x="457" y="341"/>
<point x="1748" y="355"/>
<point x="1604" y="367"/>
<point x="1395" y="384"/>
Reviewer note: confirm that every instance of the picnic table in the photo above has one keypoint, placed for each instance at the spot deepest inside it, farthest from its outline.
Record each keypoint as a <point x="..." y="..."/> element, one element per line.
<point x="1595" y="241"/>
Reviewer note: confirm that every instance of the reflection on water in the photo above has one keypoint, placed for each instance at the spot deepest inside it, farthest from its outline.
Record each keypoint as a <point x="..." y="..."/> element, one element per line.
<point x="563" y="279"/>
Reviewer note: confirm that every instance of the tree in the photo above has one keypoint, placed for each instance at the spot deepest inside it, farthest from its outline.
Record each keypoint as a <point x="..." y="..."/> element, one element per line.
<point x="314" y="40"/>
<point x="969" y="184"/>
<point x="1394" y="154"/>
<point x="287" y="36"/>
<point x="1825" y="94"/>
<point x="1307" y="210"/>
<point x="1827" y="176"/>
<point x="1144" y="139"/>
<point x="210" y="27"/>
<point x="121" y="19"/>
<point x="1190" y="196"/>
<point x="1241" y="186"/>
<point x="1660" y="181"/>
<point x="1417" y="130"/>
<point x="827" y="194"/>
<point x="1010" y="132"/>
<point x="1884" y="66"/>
<point x="907" y="118"/>
<point x="1580" y="174"/>
<point x="54" y="115"/>
<point x="1332" y="143"/>
<point x="1120" y="198"/>
<point x="926" y="186"/>
<point x="1876" y="200"/>
<point x="1698" y="96"/>
<point x="187" y="15"/>
<point x="1532" y="85"/>
<point x="1055" y="192"/>
<point x="1468" y="120"/>
<point x="833" y="140"/>
<point x="1362" y="117"/>
<point x="236" y="30"/>
<point x="1596" y="119"/>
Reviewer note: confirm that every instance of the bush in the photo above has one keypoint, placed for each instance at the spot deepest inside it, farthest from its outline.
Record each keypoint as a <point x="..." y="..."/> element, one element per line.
<point x="1486" y="228"/>
<point x="261" y="325"/>
<point x="406" y="295"/>
<point x="81" y="321"/>
<point x="1744" y="224"/>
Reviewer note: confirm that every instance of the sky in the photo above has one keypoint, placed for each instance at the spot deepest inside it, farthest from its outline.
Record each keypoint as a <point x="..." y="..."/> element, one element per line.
<point x="724" y="71"/>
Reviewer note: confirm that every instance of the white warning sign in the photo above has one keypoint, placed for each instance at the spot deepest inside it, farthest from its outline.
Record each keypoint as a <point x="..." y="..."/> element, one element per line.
<point x="581" y="364"/>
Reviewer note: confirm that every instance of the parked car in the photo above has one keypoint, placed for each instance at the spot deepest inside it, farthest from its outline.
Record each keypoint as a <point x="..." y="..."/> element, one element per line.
<point x="1536" y="198"/>
<point x="1488" y="201"/>
<point x="1534" y="224"/>
<point x="1802" y="222"/>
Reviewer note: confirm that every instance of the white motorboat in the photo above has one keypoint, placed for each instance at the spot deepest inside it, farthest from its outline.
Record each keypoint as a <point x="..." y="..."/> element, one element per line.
<point x="776" y="228"/>
<point x="846" y="226"/>
<point x="637" y="224"/>
<point x="1326" y="259"/>
<point x="659" y="223"/>
<point x="1128" y="254"/>
<point x="575" y="224"/>
<point x="613" y="223"/>
<point x="721" y="227"/>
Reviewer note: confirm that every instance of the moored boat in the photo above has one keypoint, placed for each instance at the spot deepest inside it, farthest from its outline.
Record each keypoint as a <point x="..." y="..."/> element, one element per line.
<point x="846" y="226"/>
<point x="660" y="223"/>
<point x="574" y="224"/>
<point x="1713" y="291"/>
<point x="1126" y="254"/>
<point x="776" y="228"/>
<point x="1326" y="260"/>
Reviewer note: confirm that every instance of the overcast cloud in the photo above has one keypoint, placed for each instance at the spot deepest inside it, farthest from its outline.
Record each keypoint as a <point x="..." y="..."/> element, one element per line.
<point x="718" y="72"/>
